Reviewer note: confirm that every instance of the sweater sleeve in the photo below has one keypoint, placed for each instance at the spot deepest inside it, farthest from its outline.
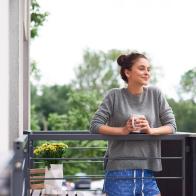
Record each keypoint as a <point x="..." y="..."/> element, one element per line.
<point x="103" y="113"/>
<point x="166" y="114"/>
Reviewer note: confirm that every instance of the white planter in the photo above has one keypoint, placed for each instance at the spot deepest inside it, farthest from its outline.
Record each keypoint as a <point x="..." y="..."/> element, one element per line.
<point x="54" y="186"/>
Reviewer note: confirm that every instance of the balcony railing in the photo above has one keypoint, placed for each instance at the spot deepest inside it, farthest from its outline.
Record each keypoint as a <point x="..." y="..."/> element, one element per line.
<point x="178" y="158"/>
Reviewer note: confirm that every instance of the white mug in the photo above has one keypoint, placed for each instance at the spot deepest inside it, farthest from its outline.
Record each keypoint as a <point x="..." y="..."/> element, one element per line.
<point x="134" y="117"/>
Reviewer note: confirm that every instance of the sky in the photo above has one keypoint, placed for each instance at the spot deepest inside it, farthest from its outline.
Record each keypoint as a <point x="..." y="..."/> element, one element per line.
<point x="164" y="29"/>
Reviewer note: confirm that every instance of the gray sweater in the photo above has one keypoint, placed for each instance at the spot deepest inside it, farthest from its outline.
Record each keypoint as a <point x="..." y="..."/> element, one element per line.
<point x="117" y="106"/>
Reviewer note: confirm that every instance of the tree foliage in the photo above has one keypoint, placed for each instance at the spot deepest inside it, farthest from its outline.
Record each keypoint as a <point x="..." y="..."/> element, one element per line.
<point x="37" y="18"/>
<point x="34" y="119"/>
<point x="82" y="106"/>
<point x="50" y="99"/>
<point x="35" y="72"/>
<point x="98" y="71"/>
<point x="188" y="84"/>
<point x="185" y="113"/>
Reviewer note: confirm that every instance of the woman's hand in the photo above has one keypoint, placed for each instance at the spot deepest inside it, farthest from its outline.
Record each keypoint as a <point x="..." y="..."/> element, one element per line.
<point x="143" y="125"/>
<point x="145" y="128"/>
<point x="128" y="128"/>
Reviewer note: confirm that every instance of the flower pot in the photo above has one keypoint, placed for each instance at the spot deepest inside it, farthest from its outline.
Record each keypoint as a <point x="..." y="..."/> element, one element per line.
<point x="54" y="186"/>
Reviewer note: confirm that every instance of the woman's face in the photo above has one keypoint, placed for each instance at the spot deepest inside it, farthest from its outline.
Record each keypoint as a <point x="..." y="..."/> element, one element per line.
<point x="139" y="73"/>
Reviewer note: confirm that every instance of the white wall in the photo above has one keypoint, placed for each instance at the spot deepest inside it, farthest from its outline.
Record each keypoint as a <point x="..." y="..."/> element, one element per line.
<point x="19" y="68"/>
<point x="4" y="75"/>
<point x="14" y="71"/>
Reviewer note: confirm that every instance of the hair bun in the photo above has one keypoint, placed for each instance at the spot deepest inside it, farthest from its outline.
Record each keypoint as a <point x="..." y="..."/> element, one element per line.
<point x="122" y="60"/>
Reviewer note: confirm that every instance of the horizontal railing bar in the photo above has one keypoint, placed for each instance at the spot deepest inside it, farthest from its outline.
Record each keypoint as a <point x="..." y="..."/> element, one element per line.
<point x="56" y="135"/>
<point x="80" y="148"/>
<point x="102" y="158"/>
<point x="85" y="161"/>
<point x="113" y="177"/>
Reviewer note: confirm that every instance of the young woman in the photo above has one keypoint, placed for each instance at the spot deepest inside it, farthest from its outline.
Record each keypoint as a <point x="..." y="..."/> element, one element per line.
<point x="115" y="117"/>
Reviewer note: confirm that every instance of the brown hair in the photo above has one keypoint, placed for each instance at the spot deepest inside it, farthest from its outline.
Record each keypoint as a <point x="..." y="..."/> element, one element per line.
<point x="127" y="61"/>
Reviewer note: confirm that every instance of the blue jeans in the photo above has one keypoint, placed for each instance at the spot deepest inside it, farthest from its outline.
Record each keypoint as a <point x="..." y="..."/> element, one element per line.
<point x="130" y="182"/>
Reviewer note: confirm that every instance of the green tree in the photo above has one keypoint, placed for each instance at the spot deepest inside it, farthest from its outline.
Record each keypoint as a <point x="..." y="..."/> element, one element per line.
<point x="35" y="72"/>
<point x="98" y="71"/>
<point x="82" y="106"/>
<point x="188" y="85"/>
<point x="185" y="113"/>
<point x="38" y="18"/>
<point x="34" y="119"/>
<point x="50" y="99"/>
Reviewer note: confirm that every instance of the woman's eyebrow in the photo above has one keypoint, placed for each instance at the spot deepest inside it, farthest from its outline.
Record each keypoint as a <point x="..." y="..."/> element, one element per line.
<point x="145" y="66"/>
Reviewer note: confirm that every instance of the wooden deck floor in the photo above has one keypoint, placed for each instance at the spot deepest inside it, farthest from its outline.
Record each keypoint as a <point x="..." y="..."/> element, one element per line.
<point x="65" y="193"/>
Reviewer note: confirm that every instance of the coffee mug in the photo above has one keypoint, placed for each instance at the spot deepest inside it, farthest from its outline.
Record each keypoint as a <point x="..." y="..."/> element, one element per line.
<point x="134" y="118"/>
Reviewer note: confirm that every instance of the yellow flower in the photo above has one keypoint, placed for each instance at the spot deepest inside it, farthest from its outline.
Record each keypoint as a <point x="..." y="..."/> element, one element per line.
<point x="50" y="150"/>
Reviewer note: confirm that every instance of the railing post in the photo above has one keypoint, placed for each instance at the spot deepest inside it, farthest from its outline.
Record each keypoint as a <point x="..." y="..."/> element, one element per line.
<point x="183" y="167"/>
<point x="193" y="165"/>
<point x="27" y="165"/>
<point x="17" y="188"/>
<point x="31" y="155"/>
<point x="26" y="173"/>
<point x="19" y="178"/>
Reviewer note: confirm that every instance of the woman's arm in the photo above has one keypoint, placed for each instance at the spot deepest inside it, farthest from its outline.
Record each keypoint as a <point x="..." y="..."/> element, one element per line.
<point x="107" y="130"/>
<point x="163" y="130"/>
<point x="103" y="114"/>
<point x="145" y="128"/>
<point x="166" y="115"/>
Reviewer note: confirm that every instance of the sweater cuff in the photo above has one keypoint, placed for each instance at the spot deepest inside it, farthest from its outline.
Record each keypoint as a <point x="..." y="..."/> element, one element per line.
<point x="95" y="129"/>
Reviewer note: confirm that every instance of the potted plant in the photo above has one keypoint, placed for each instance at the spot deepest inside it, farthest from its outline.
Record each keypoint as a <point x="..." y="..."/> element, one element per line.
<point x="54" y="167"/>
<point x="50" y="150"/>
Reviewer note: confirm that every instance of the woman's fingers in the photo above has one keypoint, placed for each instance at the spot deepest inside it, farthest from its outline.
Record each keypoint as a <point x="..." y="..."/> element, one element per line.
<point x="129" y="125"/>
<point x="142" y="124"/>
<point x="139" y="124"/>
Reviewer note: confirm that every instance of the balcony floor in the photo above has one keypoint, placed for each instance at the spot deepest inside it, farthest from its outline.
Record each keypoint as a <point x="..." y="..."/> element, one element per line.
<point x="68" y="193"/>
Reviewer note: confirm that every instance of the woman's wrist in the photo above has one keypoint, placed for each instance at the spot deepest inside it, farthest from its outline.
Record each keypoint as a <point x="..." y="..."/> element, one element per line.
<point x="163" y="130"/>
<point x="125" y="131"/>
<point x="107" y="130"/>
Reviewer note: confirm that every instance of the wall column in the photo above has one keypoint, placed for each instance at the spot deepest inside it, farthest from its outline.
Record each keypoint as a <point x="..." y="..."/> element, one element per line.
<point x="4" y="76"/>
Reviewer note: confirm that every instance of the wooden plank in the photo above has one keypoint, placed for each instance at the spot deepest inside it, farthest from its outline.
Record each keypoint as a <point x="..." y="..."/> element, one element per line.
<point x="37" y="179"/>
<point x="37" y="171"/>
<point x="37" y="186"/>
<point x="35" y="174"/>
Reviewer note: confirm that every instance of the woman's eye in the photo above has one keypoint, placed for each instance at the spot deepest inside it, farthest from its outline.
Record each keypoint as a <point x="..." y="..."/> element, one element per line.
<point x="144" y="68"/>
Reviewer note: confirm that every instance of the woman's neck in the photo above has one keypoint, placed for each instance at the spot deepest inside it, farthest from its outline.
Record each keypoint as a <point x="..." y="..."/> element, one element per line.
<point x="135" y="90"/>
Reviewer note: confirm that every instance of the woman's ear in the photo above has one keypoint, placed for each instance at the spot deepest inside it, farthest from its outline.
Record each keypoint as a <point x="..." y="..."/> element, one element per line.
<point x="127" y="73"/>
